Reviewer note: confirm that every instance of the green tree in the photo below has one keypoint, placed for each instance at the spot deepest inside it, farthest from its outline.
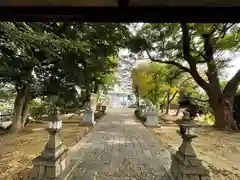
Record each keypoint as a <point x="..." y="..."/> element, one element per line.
<point x="192" y="47"/>
<point x="152" y="81"/>
<point x="18" y="45"/>
<point x="41" y="59"/>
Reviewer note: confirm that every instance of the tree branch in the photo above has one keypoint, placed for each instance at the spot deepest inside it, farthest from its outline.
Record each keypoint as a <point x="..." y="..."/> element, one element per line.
<point x="232" y="86"/>
<point x="186" y="42"/>
<point x="169" y="62"/>
<point x="192" y="61"/>
<point x="212" y="68"/>
<point x="176" y="75"/>
<point x="182" y="83"/>
<point x="225" y="29"/>
<point x="221" y="36"/>
<point x="200" y="54"/>
<point x="173" y="97"/>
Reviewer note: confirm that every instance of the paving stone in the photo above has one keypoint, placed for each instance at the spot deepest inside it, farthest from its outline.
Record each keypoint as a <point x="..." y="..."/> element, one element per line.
<point x="205" y="177"/>
<point x="78" y="173"/>
<point x="120" y="148"/>
<point x="148" y="153"/>
<point x="90" y="175"/>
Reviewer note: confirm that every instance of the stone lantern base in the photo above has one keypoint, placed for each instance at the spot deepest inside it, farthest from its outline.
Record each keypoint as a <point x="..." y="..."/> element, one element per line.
<point x="152" y="120"/>
<point x="88" y="117"/>
<point x="104" y="107"/>
<point x="53" y="160"/>
<point x="185" y="164"/>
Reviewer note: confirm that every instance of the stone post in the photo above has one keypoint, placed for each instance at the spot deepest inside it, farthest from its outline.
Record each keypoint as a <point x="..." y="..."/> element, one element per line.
<point x="93" y="101"/>
<point x="52" y="162"/>
<point x="99" y="107"/>
<point x="88" y="115"/>
<point x="152" y="117"/>
<point x="185" y="164"/>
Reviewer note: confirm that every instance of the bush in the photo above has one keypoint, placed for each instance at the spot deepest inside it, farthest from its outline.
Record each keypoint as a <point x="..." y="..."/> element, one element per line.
<point x="140" y="115"/>
<point x="37" y="108"/>
<point x="208" y="118"/>
<point x="133" y="106"/>
<point x="137" y="112"/>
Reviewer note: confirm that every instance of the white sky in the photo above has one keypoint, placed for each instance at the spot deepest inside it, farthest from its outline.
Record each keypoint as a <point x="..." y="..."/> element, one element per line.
<point x="231" y="71"/>
<point x="235" y="63"/>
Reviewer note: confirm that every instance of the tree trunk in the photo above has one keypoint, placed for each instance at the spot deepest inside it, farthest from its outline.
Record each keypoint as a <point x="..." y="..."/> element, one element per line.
<point x="18" y="105"/>
<point x="168" y="104"/>
<point x="162" y="106"/>
<point x="21" y="105"/>
<point x="223" y="113"/>
<point x="138" y="98"/>
<point x="25" y="111"/>
<point x="178" y="110"/>
<point x="95" y="88"/>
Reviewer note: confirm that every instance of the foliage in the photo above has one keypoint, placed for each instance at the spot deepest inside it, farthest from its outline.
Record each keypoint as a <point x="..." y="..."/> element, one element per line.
<point x="7" y="94"/>
<point x="109" y="81"/>
<point x="154" y="80"/>
<point x="140" y="114"/>
<point x="40" y="59"/>
<point x="208" y="118"/>
<point x="38" y="108"/>
<point x="195" y="48"/>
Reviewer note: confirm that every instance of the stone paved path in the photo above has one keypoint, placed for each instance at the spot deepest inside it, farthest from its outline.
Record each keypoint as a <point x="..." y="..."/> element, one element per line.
<point x="120" y="148"/>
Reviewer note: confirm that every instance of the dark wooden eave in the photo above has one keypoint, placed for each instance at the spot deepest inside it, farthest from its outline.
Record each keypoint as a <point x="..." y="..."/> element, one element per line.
<point x="129" y="10"/>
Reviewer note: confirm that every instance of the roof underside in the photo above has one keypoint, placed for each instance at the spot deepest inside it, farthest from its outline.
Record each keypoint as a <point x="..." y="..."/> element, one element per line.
<point x="109" y="11"/>
<point x="116" y="2"/>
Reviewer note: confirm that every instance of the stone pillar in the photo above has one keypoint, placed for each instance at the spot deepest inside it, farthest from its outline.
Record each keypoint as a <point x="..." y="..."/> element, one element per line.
<point x="88" y="115"/>
<point x="185" y="164"/>
<point x="104" y="107"/>
<point x="99" y="107"/>
<point x="152" y="119"/>
<point x="53" y="160"/>
<point x="93" y="101"/>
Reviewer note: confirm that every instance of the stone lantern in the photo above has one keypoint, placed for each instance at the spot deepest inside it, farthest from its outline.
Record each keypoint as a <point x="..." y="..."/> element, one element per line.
<point x="52" y="162"/>
<point x="185" y="164"/>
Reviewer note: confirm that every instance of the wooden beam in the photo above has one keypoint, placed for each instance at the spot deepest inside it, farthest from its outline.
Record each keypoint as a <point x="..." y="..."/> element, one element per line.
<point x="210" y="3"/>
<point x="160" y="14"/>
<point x="82" y="3"/>
<point x="108" y="3"/>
